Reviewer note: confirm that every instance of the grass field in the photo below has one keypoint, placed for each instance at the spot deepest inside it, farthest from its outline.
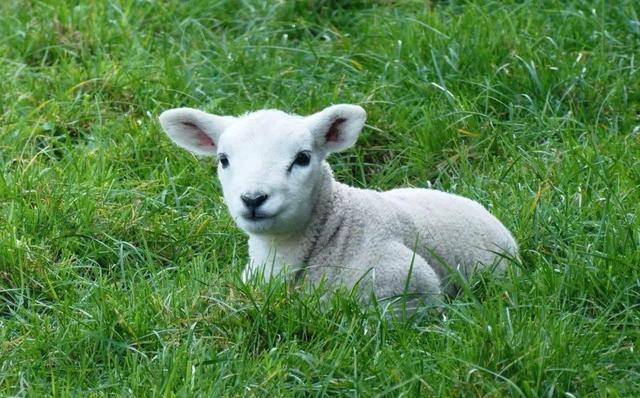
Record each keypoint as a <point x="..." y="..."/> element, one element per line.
<point x="119" y="266"/>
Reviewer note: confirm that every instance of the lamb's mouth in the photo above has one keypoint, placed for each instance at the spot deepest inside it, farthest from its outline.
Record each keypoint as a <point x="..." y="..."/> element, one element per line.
<point x="256" y="216"/>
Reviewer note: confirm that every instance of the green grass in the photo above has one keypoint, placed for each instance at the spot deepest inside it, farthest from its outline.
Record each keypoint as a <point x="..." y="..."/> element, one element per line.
<point x="119" y="266"/>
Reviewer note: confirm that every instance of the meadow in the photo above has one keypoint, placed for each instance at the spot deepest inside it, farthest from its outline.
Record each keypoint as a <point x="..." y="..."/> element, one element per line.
<point x="120" y="267"/>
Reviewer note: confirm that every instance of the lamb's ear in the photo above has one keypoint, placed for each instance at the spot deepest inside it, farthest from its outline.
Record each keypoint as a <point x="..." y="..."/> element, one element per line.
<point x="337" y="127"/>
<point x="194" y="130"/>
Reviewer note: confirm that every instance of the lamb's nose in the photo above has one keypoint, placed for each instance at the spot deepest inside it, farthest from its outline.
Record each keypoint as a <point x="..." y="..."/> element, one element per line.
<point x="254" y="200"/>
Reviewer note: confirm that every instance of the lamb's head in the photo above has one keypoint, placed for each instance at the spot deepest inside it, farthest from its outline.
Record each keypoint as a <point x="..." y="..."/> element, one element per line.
<point x="269" y="162"/>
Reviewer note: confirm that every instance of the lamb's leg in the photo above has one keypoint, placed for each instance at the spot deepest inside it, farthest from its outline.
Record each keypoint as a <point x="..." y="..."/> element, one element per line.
<point x="264" y="271"/>
<point x="247" y="273"/>
<point x="399" y="275"/>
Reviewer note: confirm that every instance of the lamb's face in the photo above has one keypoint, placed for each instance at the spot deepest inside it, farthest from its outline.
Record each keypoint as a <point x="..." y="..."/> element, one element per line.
<point x="270" y="162"/>
<point x="269" y="170"/>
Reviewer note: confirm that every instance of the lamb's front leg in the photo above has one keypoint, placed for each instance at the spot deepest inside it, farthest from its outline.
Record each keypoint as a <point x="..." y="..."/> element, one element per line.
<point x="267" y="262"/>
<point x="247" y="273"/>
<point x="263" y="270"/>
<point x="262" y="261"/>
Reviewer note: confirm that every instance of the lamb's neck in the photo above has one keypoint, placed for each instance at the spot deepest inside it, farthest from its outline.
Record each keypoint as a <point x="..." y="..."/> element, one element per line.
<point x="322" y="210"/>
<point x="293" y="250"/>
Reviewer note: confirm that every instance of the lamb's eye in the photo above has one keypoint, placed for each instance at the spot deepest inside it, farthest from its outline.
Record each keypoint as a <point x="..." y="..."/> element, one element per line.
<point x="302" y="159"/>
<point x="224" y="161"/>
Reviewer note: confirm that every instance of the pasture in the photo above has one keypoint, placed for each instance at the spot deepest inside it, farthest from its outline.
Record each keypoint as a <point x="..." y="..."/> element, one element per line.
<point x="120" y="266"/>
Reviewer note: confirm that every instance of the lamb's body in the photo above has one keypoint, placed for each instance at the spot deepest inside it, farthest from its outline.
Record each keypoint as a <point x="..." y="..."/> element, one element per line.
<point x="281" y="192"/>
<point x="360" y="236"/>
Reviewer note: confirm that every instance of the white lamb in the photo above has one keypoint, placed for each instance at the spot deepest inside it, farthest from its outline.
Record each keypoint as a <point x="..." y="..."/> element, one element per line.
<point x="280" y="190"/>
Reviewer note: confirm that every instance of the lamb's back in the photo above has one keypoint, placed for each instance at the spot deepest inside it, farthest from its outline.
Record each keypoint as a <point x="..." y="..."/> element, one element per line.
<point x="444" y="226"/>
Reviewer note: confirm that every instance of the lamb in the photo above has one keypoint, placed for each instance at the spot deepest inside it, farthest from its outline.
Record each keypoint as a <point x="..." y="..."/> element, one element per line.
<point x="300" y="221"/>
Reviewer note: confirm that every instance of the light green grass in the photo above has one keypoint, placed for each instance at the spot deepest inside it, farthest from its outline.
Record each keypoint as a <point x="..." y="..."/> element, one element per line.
<point x="119" y="264"/>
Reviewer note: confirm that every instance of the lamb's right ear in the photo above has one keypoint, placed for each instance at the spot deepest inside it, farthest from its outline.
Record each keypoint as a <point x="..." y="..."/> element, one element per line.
<point x="194" y="130"/>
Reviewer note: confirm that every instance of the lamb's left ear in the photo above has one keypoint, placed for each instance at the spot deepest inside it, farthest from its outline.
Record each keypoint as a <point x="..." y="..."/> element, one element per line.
<point x="337" y="127"/>
<point x="194" y="130"/>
